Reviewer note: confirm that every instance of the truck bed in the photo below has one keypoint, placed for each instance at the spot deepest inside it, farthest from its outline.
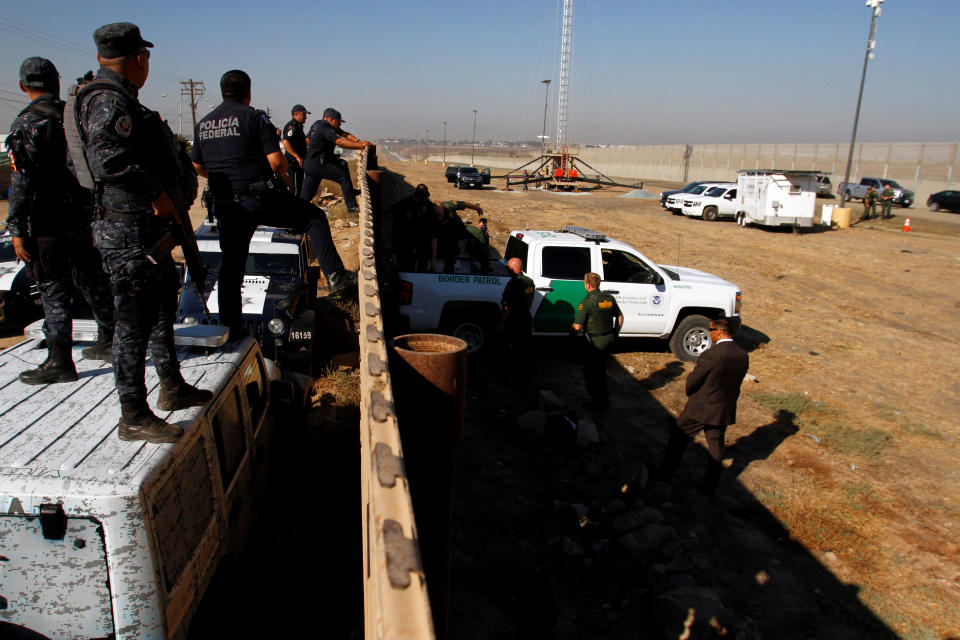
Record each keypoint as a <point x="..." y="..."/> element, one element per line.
<point x="69" y="429"/>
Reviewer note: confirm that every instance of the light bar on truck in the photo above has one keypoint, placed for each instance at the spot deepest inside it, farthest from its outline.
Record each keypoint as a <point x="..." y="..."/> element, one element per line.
<point x="586" y="234"/>
<point x="198" y="335"/>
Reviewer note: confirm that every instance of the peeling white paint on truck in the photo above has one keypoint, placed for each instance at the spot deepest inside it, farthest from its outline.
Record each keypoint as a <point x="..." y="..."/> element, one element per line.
<point x="141" y="526"/>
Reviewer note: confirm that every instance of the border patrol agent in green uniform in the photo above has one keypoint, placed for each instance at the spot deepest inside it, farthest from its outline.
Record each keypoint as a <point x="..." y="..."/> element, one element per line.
<point x="600" y="318"/>
<point x="869" y="204"/>
<point x="515" y="312"/>
<point x="886" y="202"/>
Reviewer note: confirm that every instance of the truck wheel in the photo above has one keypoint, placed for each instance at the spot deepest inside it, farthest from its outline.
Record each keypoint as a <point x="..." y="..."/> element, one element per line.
<point x="934" y="206"/>
<point x="741" y="220"/>
<point x="691" y="338"/>
<point x="473" y="333"/>
<point x="709" y="214"/>
<point x="849" y="195"/>
<point x="906" y="205"/>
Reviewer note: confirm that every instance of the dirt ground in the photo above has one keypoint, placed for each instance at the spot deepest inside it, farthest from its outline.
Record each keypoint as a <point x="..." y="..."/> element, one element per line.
<point x="840" y="514"/>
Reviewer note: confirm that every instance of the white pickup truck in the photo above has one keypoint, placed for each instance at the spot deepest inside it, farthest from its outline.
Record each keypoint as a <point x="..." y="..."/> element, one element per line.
<point x="666" y="302"/>
<point x="901" y="196"/>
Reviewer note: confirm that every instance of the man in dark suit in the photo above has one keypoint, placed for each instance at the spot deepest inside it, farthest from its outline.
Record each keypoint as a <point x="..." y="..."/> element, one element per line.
<point x="712" y="391"/>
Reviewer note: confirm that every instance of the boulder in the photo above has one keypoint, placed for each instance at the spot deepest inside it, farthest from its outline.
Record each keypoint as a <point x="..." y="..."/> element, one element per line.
<point x="587" y="433"/>
<point x="535" y="421"/>
<point x="698" y="607"/>
<point x="549" y="402"/>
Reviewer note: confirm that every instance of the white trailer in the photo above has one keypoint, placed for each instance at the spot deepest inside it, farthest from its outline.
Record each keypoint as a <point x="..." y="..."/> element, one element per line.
<point x="772" y="197"/>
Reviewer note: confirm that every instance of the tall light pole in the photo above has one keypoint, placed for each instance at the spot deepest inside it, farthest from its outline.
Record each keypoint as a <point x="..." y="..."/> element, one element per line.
<point x="546" y="95"/>
<point x="871" y="45"/>
<point x="444" y="143"/>
<point x="473" y="145"/>
<point x="426" y="147"/>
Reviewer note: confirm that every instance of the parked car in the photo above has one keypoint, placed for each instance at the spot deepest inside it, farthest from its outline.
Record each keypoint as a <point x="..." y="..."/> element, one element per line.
<point x="716" y="202"/>
<point x="674" y="203"/>
<point x="688" y="188"/>
<point x="901" y="196"/>
<point x="824" y="186"/>
<point x="949" y="200"/>
<point x="279" y="293"/>
<point x="468" y="177"/>
<point x="19" y="296"/>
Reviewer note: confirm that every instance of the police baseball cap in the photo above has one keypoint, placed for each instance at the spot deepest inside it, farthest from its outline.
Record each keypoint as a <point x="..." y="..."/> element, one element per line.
<point x="330" y="112"/>
<point x="119" y="39"/>
<point x="299" y="107"/>
<point x="38" y="73"/>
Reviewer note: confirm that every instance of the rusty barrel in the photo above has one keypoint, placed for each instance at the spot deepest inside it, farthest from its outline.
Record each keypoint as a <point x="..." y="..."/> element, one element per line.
<point x="429" y="380"/>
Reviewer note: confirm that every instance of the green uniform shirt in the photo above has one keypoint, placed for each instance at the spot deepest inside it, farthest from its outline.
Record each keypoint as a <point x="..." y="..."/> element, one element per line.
<point x="887" y="194"/>
<point x="598" y="314"/>
<point x="518" y="294"/>
<point x="870" y="197"/>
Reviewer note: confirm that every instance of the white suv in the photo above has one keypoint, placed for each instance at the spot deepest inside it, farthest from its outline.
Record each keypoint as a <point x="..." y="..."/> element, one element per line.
<point x="717" y="201"/>
<point x="674" y="202"/>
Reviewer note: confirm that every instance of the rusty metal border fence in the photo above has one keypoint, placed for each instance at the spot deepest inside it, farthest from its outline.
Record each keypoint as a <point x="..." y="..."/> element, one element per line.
<point x="396" y="605"/>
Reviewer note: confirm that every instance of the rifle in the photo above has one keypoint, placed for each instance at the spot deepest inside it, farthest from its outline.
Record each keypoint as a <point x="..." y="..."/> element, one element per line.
<point x="182" y="234"/>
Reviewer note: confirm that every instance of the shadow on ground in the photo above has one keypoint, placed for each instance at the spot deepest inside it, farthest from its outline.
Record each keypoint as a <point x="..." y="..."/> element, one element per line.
<point x="555" y="540"/>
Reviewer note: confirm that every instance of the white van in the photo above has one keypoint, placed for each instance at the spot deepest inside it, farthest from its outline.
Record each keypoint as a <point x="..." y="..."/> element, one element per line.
<point x="101" y="538"/>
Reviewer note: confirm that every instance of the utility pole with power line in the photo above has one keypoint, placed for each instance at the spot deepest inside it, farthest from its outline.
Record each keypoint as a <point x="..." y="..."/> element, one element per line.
<point x="194" y="90"/>
<point x="871" y="45"/>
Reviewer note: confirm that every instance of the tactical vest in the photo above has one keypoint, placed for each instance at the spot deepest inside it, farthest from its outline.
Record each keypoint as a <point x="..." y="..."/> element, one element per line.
<point x="59" y="186"/>
<point x="164" y="155"/>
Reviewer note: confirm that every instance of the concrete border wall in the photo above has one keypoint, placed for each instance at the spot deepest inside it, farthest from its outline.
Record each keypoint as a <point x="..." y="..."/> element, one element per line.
<point x="924" y="167"/>
<point x="396" y="604"/>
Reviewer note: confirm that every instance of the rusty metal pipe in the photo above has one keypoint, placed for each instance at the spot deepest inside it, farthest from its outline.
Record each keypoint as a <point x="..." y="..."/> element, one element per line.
<point x="429" y="376"/>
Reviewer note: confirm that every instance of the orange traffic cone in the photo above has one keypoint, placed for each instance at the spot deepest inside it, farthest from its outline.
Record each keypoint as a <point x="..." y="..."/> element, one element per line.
<point x="906" y="224"/>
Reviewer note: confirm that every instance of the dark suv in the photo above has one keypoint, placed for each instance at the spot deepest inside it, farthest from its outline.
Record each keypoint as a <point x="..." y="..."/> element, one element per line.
<point x="467" y="177"/>
<point x="279" y="293"/>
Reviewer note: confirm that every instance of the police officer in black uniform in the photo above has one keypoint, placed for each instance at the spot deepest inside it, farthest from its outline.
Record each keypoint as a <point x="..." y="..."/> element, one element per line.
<point x="295" y="146"/>
<point x="600" y="319"/>
<point x="133" y="160"/>
<point x="49" y="219"/>
<point x="323" y="163"/>
<point x="238" y="152"/>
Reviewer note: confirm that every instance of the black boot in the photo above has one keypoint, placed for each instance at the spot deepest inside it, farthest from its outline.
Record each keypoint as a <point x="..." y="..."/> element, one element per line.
<point x="102" y="349"/>
<point x="339" y="282"/>
<point x="58" y="367"/>
<point x="137" y="422"/>
<point x="177" y="394"/>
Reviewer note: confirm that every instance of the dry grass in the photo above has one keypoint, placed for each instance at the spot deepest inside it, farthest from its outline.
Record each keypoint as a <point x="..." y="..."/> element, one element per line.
<point x="337" y="387"/>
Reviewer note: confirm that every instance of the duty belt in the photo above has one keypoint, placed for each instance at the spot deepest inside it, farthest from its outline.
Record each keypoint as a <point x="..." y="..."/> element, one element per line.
<point x="122" y="216"/>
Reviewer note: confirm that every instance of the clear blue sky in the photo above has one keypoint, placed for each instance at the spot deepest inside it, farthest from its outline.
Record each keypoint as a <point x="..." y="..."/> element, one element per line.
<point x="644" y="72"/>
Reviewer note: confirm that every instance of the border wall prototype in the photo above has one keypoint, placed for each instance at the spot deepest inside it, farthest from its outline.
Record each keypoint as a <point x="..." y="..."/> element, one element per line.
<point x="924" y="167"/>
<point x="396" y="601"/>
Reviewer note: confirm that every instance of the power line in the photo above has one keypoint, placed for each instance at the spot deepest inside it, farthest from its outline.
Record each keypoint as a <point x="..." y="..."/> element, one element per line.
<point x="28" y="32"/>
<point x="194" y="90"/>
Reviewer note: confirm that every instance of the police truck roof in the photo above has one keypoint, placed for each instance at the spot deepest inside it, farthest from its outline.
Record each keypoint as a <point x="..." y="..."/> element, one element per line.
<point x="69" y="430"/>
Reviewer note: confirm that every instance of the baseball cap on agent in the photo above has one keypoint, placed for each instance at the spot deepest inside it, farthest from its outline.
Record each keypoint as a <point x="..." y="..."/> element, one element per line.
<point x="39" y="73"/>
<point x="330" y="112"/>
<point x="119" y="39"/>
<point x="299" y="107"/>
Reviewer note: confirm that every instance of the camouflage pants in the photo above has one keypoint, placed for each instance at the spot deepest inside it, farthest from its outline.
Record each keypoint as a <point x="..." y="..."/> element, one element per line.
<point x="61" y="264"/>
<point x="145" y="296"/>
